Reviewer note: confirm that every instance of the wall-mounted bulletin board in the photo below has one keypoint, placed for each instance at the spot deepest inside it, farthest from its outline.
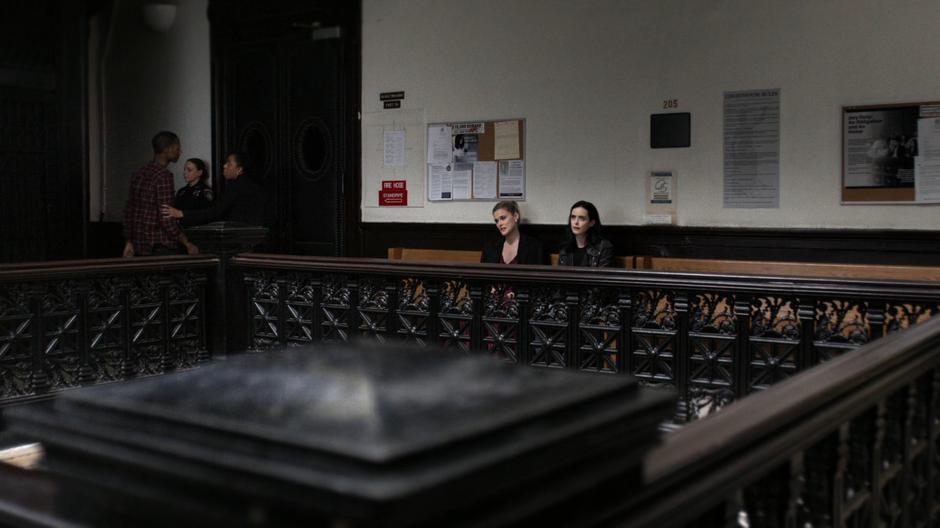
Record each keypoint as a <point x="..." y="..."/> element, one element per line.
<point x="891" y="153"/>
<point x="476" y="160"/>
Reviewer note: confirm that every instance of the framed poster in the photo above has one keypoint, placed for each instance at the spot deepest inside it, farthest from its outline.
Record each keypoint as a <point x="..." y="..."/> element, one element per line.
<point x="882" y="156"/>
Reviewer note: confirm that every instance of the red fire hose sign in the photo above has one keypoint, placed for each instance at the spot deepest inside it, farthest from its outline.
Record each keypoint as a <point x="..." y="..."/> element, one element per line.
<point x="393" y="192"/>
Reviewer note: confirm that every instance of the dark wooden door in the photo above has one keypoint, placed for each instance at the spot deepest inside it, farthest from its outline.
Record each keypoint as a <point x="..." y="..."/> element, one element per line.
<point x="282" y="95"/>
<point x="316" y="161"/>
<point x="43" y="153"/>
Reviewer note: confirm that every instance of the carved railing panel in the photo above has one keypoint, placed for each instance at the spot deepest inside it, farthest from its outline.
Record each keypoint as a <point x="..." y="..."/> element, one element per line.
<point x="654" y="344"/>
<point x="413" y="311"/>
<point x="840" y="325"/>
<point x="61" y="316"/>
<point x="549" y="319"/>
<point x="107" y="316"/>
<point x="774" y="341"/>
<point x="713" y="340"/>
<point x="300" y="307"/>
<point x="599" y="331"/>
<point x="373" y="308"/>
<point x="186" y="311"/>
<point x="901" y="315"/>
<point x="17" y="325"/>
<point x="335" y="308"/>
<point x="455" y="315"/>
<point x="264" y="300"/>
<point x="69" y="324"/>
<point x="148" y="352"/>
<point x="501" y="321"/>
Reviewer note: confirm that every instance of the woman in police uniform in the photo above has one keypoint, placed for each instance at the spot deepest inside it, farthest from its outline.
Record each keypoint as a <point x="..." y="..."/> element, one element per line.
<point x="196" y="194"/>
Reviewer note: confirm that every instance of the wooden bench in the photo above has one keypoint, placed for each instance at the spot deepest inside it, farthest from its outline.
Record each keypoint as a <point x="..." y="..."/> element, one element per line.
<point x="620" y="261"/>
<point x="458" y="255"/>
<point x="447" y="255"/>
<point x="694" y="265"/>
<point x="791" y="269"/>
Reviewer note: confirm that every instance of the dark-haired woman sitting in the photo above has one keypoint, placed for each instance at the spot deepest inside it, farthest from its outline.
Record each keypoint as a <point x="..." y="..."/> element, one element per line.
<point x="584" y="245"/>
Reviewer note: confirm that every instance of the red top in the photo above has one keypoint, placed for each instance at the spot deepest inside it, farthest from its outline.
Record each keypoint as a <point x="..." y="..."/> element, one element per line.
<point x="144" y="225"/>
<point x="515" y="260"/>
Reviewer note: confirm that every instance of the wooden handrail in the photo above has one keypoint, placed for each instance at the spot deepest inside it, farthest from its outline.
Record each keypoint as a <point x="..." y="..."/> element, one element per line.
<point x="802" y="269"/>
<point x="914" y="290"/>
<point x="863" y="373"/>
<point x="704" y="463"/>
<point x="59" y="268"/>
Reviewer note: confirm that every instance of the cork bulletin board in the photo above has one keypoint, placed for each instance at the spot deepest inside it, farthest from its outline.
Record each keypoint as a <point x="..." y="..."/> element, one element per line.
<point x="476" y="160"/>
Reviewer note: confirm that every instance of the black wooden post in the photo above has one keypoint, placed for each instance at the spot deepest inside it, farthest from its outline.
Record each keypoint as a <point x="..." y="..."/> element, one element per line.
<point x="226" y="239"/>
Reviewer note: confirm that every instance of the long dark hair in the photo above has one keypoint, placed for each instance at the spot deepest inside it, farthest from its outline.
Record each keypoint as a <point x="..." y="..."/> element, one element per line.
<point x="594" y="233"/>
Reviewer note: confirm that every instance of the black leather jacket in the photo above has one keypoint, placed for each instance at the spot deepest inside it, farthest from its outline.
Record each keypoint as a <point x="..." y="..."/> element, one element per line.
<point x="600" y="254"/>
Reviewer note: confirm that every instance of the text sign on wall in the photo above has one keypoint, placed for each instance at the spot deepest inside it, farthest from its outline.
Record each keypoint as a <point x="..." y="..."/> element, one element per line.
<point x="752" y="149"/>
<point x="393" y="193"/>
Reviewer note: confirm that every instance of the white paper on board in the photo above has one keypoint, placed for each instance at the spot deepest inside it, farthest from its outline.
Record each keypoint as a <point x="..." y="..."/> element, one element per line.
<point x="484" y="179"/>
<point x="439" y="144"/>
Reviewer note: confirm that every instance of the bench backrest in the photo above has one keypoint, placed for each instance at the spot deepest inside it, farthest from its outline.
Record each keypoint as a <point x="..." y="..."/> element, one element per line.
<point x="620" y="261"/>
<point x="452" y="255"/>
<point x="457" y="255"/>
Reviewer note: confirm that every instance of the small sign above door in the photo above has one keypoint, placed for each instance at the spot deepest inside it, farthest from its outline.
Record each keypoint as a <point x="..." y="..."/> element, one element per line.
<point x="391" y="96"/>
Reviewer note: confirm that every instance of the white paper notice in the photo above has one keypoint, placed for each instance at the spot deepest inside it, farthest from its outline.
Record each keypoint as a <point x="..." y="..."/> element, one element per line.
<point x="484" y="179"/>
<point x="927" y="162"/>
<point x="512" y="179"/>
<point x="507" y="140"/>
<point x="395" y="148"/>
<point x="752" y="149"/>
<point x="439" y="144"/>
<point x="926" y="181"/>
<point x="461" y="177"/>
<point x="928" y="139"/>
<point x="440" y="184"/>
<point x="660" y="188"/>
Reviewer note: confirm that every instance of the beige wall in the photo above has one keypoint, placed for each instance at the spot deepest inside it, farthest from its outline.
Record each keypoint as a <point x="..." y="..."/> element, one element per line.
<point x="154" y="81"/>
<point x="586" y="75"/>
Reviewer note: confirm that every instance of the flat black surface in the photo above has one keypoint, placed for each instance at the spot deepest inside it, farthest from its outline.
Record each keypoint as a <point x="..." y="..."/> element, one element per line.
<point x="395" y="434"/>
<point x="670" y="130"/>
<point x="394" y="402"/>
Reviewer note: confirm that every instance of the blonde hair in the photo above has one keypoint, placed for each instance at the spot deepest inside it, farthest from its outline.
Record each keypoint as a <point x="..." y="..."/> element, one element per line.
<point x="508" y="205"/>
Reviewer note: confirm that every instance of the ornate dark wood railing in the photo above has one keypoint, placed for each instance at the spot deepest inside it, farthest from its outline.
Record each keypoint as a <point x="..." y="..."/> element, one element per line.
<point x="716" y="338"/>
<point x="72" y="323"/>
<point x="853" y="442"/>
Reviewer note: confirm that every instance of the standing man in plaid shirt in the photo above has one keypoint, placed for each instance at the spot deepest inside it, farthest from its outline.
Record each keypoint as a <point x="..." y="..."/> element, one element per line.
<point x="146" y="231"/>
